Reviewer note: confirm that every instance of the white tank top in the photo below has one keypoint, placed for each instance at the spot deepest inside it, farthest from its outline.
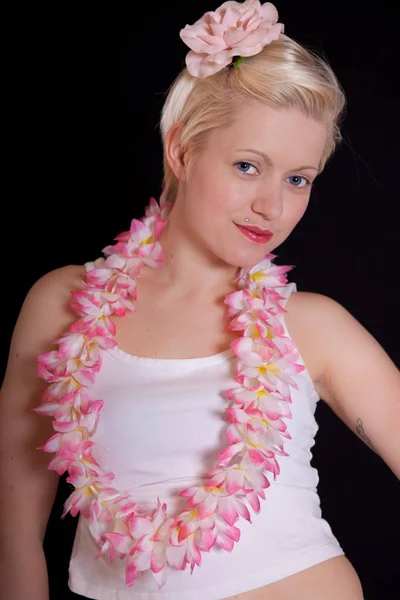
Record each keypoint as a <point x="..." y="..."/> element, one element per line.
<point x="162" y="426"/>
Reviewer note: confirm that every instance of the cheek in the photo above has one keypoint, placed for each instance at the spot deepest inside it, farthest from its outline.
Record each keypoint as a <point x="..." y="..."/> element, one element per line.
<point x="212" y="200"/>
<point x="207" y="212"/>
<point x="299" y="213"/>
<point x="293" y="214"/>
<point x="296" y="207"/>
<point x="214" y="196"/>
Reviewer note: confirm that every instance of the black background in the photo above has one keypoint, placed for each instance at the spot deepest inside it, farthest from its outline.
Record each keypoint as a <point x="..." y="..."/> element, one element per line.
<point x="85" y="156"/>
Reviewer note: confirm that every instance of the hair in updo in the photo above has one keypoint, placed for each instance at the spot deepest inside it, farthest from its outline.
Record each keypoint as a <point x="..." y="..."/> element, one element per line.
<point x="283" y="75"/>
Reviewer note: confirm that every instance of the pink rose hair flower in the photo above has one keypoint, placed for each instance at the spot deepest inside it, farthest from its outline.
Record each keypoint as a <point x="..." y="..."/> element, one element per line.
<point x="234" y="29"/>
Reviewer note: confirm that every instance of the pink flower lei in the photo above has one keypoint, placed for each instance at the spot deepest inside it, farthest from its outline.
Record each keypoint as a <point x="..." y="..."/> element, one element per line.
<point x="266" y="361"/>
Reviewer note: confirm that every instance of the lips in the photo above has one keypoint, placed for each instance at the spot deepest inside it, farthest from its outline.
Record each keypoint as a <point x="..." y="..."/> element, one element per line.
<point x="257" y="229"/>
<point x="255" y="234"/>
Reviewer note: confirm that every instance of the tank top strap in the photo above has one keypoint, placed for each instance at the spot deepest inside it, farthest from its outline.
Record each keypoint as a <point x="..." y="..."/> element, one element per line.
<point x="286" y="291"/>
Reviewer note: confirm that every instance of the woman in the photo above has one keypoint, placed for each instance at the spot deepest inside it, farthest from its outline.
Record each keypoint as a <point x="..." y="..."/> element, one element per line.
<point x="140" y="399"/>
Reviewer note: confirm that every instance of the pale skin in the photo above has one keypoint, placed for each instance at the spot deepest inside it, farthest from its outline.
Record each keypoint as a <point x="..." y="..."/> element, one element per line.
<point x="203" y="250"/>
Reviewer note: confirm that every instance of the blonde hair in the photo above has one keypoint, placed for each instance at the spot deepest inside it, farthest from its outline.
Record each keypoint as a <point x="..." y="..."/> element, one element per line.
<point x="283" y="75"/>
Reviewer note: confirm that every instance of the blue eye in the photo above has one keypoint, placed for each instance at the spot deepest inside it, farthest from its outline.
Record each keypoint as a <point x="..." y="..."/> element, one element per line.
<point x="296" y="181"/>
<point x="247" y="166"/>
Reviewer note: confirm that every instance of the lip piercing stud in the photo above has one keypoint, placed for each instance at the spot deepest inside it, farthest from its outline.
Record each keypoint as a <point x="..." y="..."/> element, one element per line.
<point x="246" y="220"/>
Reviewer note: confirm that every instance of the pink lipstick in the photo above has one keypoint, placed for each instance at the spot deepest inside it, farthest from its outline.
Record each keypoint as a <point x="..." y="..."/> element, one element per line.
<point x="255" y="234"/>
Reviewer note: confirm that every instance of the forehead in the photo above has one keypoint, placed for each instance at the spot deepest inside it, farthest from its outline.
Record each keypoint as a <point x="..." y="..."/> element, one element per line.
<point x="286" y="134"/>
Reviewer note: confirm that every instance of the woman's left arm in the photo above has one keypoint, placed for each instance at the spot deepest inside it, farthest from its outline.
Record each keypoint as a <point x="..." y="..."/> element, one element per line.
<point x="360" y="382"/>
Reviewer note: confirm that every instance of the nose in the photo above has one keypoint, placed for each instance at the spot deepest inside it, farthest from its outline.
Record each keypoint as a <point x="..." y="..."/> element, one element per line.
<point x="268" y="201"/>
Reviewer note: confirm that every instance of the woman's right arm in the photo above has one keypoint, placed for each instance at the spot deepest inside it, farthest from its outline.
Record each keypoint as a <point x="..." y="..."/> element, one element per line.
<point x="27" y="487"/>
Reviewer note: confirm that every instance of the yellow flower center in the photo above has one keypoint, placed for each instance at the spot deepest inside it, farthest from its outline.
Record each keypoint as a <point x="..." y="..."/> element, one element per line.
<point x="75" y="383"/>
<point x="268" y="367"/>
<point x="249" y="443"/>
<point x="148" y="240"/>
<point x="92" y="489"/>
<point x="213" y="489"/>
<point x="75" y="413"/>
<point x="258" y="276"/>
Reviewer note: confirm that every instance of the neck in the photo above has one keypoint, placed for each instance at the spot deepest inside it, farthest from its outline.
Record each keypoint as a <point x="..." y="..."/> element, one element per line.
<point x="188" y="270"/>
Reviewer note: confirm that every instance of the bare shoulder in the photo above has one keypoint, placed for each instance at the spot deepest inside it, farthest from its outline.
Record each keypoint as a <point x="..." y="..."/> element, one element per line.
<point x="309" y="316"/>
<point x="58" y="282"/>
<point x="50" y="295"/>
<point x="312" y="306"/>
<point x="44" y="316"/>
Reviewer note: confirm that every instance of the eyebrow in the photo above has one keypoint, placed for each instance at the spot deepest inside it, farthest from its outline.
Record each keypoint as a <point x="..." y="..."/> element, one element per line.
<point x="269" y="161"/>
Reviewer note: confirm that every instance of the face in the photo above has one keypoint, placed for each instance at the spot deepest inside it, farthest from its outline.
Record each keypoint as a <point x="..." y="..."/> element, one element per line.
<point x="261" y="168"/>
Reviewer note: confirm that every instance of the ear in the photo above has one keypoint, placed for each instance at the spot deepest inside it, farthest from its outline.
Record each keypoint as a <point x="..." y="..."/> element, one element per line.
<point x="174" y="152"/>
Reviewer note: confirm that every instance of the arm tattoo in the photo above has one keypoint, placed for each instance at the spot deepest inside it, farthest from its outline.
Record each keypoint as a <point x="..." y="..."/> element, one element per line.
<point x="363" y="435"/>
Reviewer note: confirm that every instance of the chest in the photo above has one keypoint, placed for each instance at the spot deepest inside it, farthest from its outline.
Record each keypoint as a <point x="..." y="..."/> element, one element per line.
<point x="162" y="328"/>
<point x="168" y="328"/>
